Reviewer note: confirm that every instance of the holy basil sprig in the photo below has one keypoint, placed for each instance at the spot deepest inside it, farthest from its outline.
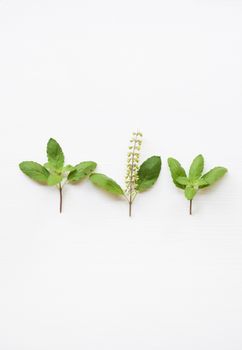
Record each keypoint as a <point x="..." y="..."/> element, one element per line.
<point x="54" y="172"/>
<point x="195" y="181"/>
<point x="138" y="178"/>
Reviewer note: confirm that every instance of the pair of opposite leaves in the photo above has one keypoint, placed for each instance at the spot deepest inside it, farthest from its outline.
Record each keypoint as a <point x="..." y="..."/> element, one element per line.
<point x="138" y="178"/>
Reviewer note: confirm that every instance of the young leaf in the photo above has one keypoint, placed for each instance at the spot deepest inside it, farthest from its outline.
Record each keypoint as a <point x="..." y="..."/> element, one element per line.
<point x="176" y="171"/>
<point x="68" y="168"/>
<point x="201" y="183"/>
<point x="106" y="183"/>
<point x="190" y="192"/>
<point x="55" y="154"/>
<point x="35" y="171"/>
<point x="148" y="173"/>
<point x="196" y="168"/>
<point x="54" y="179"/>
<point x="182" y="180"/>
<point x="49" y="167"/>
<point x="214" y="175"/>
<point x="81" y="170"/>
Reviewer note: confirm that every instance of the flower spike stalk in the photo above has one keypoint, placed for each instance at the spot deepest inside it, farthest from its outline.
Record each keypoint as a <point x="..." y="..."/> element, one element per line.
<point x="132" y="176"/>
<point x="138" y="178"/>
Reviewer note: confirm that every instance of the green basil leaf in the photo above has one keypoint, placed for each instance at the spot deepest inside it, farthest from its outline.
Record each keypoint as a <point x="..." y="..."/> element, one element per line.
<point x="81" y="170"/>
<point x="106" y="183"/>
<point x="55" y="154"/>
<point x="35" y="171"/>
<point x="54" y="179"/>
<point x="214" y="175"/>
<point x="176" y="171"/>
<point x="148" y="173"/>
<point x="196" y="168"/>
<point x="190" y="192"/>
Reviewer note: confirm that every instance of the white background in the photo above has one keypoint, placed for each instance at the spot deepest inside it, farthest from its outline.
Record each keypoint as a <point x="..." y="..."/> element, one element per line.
<point x="88" y="73"/>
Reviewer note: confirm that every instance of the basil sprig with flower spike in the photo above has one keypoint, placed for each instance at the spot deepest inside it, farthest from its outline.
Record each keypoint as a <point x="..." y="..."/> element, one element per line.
<point x="195" y="181"/>
<point x="54" y="172"/>
<point x="138" y="178"/>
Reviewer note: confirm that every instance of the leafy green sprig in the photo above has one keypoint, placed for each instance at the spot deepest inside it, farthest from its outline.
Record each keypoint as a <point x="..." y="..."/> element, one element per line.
<point x="195" y="181"/>
<point x="55" y="172"/>
<point x="138" y="178"/>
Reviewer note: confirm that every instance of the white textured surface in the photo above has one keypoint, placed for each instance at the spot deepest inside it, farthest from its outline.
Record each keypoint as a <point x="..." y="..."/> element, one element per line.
<point x="88" y="73"/>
